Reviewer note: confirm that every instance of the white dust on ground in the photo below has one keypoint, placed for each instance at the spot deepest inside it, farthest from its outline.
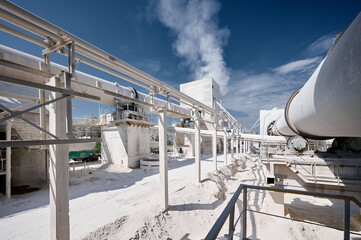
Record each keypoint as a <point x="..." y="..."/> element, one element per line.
<point x="111" y="203"/>
<point x="195" y="207"/>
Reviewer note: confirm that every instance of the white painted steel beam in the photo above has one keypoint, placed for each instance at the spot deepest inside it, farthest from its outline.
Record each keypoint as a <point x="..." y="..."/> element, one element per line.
<point x="232" y="146"/>
<point x="163" y="157"/>
<point x="81" y="83"/>
<point x="22" y="18"/>
<point x="197" y="145"/>
<point x="214" y="145"/>
<point x="19" y="96"/>
<point x="191" y="131"/>
<point x="266" y="139"/>
<point x="25" y="143"/>
<point x="237" y="148"/>
<point x="42" y="117"/>
<point x="58" y="169"/>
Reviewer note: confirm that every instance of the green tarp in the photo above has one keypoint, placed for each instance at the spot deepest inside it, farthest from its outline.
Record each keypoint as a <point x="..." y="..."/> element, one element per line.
<point x="79" y="154"/>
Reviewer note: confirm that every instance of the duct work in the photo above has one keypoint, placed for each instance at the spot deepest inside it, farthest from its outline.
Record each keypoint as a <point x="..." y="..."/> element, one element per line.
<point x="328" y="105"/>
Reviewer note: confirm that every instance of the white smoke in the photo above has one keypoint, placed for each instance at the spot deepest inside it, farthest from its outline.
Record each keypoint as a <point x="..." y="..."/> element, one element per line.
<point x="199" y="39"/>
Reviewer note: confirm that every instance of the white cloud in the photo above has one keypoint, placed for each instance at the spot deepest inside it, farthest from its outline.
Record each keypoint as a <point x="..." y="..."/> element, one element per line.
<point x="199" y="40"/>
<point x="300" y="65"/>
<point x="249" y="93"/>
<point x="321" y="45"/>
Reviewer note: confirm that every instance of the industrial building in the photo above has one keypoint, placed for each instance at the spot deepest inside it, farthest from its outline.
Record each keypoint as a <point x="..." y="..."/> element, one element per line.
<point x="309" y="148"/>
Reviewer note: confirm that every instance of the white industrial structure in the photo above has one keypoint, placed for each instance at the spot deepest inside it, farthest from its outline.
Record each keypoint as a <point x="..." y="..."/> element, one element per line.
<point x="64" y="83"/>
<point x="328" y="106"/>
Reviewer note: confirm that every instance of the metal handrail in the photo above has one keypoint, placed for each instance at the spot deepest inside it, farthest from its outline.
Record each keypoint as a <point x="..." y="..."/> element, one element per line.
<point x="230" y="209"/>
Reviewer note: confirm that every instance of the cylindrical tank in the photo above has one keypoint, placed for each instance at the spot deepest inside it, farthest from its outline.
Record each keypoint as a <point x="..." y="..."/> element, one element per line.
<point x="329" y="104"/>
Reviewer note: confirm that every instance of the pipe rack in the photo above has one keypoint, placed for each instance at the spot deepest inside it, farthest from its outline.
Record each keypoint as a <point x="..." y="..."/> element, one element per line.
<point x="57" y="38"/>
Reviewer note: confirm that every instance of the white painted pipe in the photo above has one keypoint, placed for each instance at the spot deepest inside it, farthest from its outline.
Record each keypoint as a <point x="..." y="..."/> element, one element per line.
<point x="24" y="19"/>
<point x="328" y="105"/>
<point x="83" y="82"/>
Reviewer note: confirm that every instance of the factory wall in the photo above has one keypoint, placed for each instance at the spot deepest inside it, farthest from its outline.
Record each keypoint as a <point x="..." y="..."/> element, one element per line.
<point x="28" y="167"/>
<point x="125" y="144"/>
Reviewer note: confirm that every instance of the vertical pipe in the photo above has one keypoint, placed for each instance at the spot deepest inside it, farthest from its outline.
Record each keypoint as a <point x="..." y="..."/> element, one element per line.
<point x="42" y="116"/>
<point x="346" y="220"/>
<point x="8" y="160"/>
<point x="214" y="145"/>
<point x="225" y="146"/>
<point x="197" y="143"/>
<point x="69" y="118"/>
<point x="67" y="80"/>
<point x="58" y="168"/>
<point x="244" y="216"/>
<point x="163" y="159"/>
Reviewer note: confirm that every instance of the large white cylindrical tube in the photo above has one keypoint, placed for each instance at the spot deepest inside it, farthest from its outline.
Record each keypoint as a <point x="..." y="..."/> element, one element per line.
<point x="329" y="104"/>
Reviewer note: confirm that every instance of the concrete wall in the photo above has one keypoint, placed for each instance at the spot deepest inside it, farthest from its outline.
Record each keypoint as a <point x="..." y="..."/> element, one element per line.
<point x="325" y="211"/>
<point x="125" y="144"/>
<point x="266" y="117"/>
<point x="28" y="167"/>
<point x="189" y="143"/>
<point x="205" y="90"/>
<point x="138" y="144"/>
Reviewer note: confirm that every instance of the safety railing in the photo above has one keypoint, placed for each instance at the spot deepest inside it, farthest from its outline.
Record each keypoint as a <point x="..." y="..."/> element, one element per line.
<point x="229" y="211"/>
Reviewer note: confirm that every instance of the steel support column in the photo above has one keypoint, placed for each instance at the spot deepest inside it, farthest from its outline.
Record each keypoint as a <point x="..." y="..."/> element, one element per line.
<point x="163" y="158"/>
<point x="197" y="145"/>
<point x="59" y="173"/>
<point x="67" y="80"/>
<point x="237" y="148"/>
<point x="225" y="150"/>
<point x="42" y="115"/>
<point x="232" y="147"/>
<point x="214" y="145"/>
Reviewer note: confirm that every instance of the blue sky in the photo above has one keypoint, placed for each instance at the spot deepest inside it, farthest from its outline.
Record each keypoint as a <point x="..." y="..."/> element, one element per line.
<point x="260" y="52"/>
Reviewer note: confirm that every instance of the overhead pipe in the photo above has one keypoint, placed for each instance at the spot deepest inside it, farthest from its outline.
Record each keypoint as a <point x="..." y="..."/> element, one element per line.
<point x="329" y="104"/>
<point x="82" y="83"/>
<point x="92" y="51"/>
